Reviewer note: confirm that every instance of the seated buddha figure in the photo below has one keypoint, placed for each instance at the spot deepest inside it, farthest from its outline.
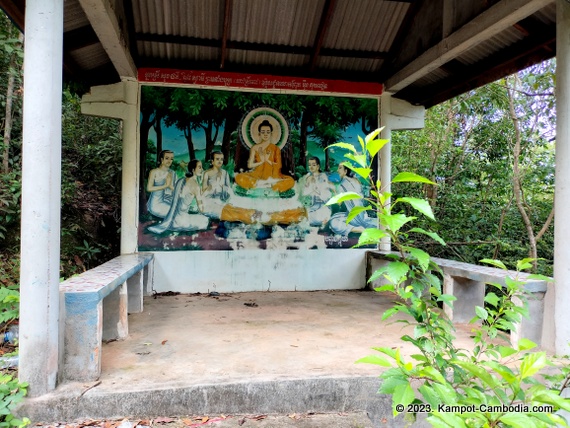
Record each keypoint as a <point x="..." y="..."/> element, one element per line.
<point x="264" y="163"/>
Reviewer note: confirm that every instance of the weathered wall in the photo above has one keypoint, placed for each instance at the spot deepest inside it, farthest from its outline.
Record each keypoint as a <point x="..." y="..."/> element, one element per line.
<point x="251" y="270"/>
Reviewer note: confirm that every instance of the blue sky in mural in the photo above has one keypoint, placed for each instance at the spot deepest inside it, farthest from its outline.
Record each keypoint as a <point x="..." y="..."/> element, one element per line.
<point x="174" y="140"/>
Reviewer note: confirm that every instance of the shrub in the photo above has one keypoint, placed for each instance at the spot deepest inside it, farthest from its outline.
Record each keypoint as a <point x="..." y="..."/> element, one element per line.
<point x="492" y="385"/>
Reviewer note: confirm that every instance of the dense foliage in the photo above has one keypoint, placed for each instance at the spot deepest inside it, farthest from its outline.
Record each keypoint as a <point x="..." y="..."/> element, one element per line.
<point x="489" y="383"/>
<point x="491" y="153"/>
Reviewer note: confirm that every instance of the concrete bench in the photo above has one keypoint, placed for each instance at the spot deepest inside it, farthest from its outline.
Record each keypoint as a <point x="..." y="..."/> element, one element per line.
<point x="466" y="282"/>
<point x="94" y="309"/>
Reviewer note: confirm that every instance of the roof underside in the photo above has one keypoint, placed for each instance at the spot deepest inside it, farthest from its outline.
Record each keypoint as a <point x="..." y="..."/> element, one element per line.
<point x="424" y="51"/>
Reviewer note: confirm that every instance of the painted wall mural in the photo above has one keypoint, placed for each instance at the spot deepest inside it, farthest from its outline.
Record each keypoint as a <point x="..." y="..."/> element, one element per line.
<point x="230" y="170"/>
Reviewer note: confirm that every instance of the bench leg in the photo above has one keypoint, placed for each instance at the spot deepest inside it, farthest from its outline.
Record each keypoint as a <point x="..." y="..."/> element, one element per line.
<point x="468" y="293"/>
<point x="531" y="327"/>
<point x="115" y="305"/>
<point x="148" y="278"/>
<point x="82" y="337"/>
<point x="135" y="289"/>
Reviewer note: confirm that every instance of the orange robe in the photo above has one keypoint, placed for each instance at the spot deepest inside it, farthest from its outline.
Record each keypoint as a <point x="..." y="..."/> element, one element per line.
<point x="248" y="180"/>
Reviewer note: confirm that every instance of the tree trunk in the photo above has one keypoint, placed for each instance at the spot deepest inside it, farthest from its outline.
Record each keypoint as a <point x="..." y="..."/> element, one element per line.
<point x="303" y="139"/>
<point x="8" y="111"/>
<point x="146" y="124"/>
<point x="517" y="188"/>
<point x="190" y="144"/>
<point x="157" y="125"/>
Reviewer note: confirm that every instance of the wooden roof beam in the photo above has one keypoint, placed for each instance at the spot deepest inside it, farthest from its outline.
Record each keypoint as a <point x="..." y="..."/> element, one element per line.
<point x="112" y="36"/>
<point x="494" y="20"/>
<point x="226" y="31"/>
<point x="500" y="64"/>
<point x="324" y="25"/>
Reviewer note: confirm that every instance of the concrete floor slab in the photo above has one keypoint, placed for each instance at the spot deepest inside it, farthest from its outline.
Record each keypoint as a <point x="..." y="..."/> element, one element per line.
<point x="260" y="352"/>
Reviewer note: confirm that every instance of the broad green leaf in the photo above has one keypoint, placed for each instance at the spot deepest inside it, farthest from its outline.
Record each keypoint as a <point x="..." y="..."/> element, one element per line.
<point x="419" y="331"/>
<point x="524" y="263"/>
<point x="539" y="277"/>
<point x="346" y="146"/>
<point x="396" y="271"/>
<point x="371" y="236"/>
<point x="421" y="256"/>
<point x="371" y="136"/>
<point x="451" y="420"/>
<point x="362" y="172"/>
<point x="532" y="363"/>
<point x="355" y="211"/>
<point x="432" y="235"/>
<point x="403" y="394"/>
<point x="496" y="263"/>
<point x="481" y="313"/>
<point x="389" y="384"/>
<point x="390" y="312"/>
<point x="361" y="141"/>
<point x="410" y="177"/>
<point x="378" y="273"/>
<point x="375" y="359"/>
<point x="447" y="299"/>
<point x="492" y="299"/>
<point x="392" y="353"/>
<point x="341" y="197"/>
<point x="394" y="221"/>
<point x="526" y="344"/>
<point x="358" y="158"/>
<point x="421" y="205"/>
<point x="374" y="146"/>
<point x="552" y="397"/>
<point x="433" y="374"/>
<point x="517" y="420"/>
<point x="505" y="372"/>
<point x="506" y="351"/>
<point x="479" y="372"/>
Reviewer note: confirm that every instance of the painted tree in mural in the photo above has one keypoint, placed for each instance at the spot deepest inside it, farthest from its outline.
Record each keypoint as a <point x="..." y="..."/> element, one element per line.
<point x="154" y="107"/>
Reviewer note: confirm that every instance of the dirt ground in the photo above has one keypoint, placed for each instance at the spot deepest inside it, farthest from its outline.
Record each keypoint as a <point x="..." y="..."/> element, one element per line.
<point x="311" y="420"/>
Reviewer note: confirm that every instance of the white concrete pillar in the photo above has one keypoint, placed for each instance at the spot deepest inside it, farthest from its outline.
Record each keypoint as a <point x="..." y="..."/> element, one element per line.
<point x="562" y="174"/>
<point x="121" y="101"/>
<point x="131" y="165"/>
<point x="41" y="195"/>
<point x="386" y="155"/>
<point x="395" y="115"/>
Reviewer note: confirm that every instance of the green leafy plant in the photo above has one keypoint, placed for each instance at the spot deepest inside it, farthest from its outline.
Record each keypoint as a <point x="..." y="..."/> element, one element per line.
<point x="491" y="385"/>
<point x="11" y="393"/>
<point x="9" y="305"/>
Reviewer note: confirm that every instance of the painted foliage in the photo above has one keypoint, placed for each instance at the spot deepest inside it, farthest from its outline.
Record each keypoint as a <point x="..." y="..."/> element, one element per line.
<point x="225" y="170"/>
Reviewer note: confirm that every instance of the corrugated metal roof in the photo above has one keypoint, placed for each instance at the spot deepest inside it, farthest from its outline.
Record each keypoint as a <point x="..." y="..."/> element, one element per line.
<point x="364" y="40"/>
<point x="369" y="25"/>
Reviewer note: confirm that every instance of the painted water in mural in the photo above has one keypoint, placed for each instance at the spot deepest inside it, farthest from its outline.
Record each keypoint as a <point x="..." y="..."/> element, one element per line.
<point x="226" y="170"/>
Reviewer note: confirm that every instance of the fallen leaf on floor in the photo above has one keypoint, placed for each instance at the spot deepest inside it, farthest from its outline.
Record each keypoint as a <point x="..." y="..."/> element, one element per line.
<point x="257" y="417"/>
<point x="241" y="422"/>
<point x="251" y="304"/>
<point x="187" y="421"/>
<point x="143" y="353"/>
<point x="164" y="341"/>
<point x="89" y="423"/>
<point x="163" y="420"/>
